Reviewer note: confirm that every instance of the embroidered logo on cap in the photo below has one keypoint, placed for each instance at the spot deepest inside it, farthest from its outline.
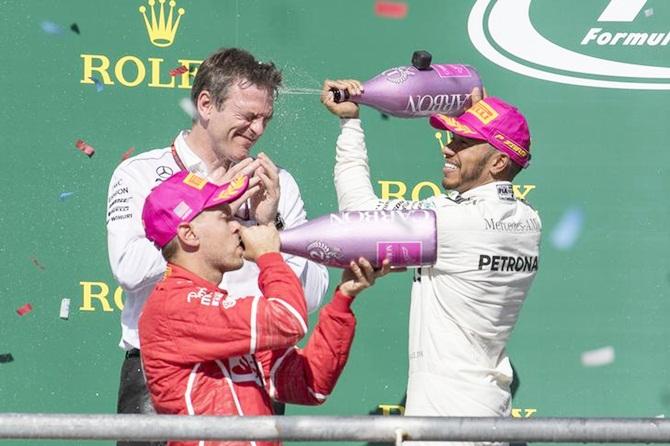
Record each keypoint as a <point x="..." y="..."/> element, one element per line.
<point x="523" y="153"/>
<point x="457" y="126"/>
<point x="195" y="181"/>
<point x="233" y="188"/>
<point x="182" y="210"/>
<point x="483" y="112"/>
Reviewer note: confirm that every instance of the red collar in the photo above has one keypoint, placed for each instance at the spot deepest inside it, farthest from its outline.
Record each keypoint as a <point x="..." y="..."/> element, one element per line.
<point x="175" y="272"/>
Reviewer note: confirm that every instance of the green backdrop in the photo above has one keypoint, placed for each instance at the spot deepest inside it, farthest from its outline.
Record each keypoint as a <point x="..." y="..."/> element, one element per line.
<point x="599" y="179"/>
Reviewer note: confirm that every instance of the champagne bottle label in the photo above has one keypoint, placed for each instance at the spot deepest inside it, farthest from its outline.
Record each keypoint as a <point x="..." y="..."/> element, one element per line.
<point x="451" y="70"/>
<point x="400" y="253"/>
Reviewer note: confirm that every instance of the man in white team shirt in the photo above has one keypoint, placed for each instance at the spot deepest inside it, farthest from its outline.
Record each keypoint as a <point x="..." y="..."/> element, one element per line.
<point x="233" y="94"/>
<point x="463" y="309"/>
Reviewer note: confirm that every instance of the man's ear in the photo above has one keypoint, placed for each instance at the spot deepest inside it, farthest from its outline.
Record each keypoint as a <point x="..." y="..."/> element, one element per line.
<point x="499" y="164"/>
<point x="187" y="237"/>
<point x="205" y="104"/>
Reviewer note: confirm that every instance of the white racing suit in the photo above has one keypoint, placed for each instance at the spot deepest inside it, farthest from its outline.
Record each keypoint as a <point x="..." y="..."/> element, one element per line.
<point x="463" y="309"/>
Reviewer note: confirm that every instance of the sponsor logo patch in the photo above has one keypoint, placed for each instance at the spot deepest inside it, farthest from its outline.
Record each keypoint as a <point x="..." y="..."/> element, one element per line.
<point x="507" y="263"/>
<point x="195" y="181"/>
<point x="234" y="188"/>
<point x="505" y="192"/>
<point x="483" y="112"/>
<point x="182" y="210"/>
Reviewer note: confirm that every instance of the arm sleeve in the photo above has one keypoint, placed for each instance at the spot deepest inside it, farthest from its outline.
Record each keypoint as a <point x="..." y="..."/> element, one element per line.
<point x="240" y="326"/>
<point x="352" y="173"/>
<point x="308" y="376"/>
<point x="314" y="277"/>
<point x="135" y="261"/>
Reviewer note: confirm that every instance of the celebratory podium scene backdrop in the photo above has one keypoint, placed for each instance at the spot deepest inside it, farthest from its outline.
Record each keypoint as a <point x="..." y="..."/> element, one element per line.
<point x="591" y="76"/>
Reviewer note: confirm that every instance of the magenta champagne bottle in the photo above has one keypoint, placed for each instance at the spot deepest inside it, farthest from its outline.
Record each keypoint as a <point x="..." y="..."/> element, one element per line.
<point x="418" y="90"/>
<point x="406" y="238"/>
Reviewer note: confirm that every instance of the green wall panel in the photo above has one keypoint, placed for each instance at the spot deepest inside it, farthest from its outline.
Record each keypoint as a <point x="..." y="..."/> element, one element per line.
<point x="601" y="151"/>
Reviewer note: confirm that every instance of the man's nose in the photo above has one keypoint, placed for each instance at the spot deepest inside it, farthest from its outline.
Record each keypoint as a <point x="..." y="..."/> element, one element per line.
<point x="447" y="151"/>
<point x="258" y="127"/>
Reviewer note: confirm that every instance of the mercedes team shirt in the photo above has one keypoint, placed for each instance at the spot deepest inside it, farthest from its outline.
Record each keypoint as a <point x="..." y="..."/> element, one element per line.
<point x="464" y="308"/>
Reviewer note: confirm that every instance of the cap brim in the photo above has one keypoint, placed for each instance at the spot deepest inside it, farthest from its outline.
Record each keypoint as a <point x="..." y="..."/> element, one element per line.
<point x="444" y="122"/>
<point x="228" y="192"/>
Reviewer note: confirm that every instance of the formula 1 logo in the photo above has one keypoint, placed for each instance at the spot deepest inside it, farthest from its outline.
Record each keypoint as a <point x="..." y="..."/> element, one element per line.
<point x="594" y="43"/>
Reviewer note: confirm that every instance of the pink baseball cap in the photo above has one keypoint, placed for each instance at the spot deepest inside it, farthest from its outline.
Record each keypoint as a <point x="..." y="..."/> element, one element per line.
<point x="494" y="121"/>
<point x="181" y="198"/>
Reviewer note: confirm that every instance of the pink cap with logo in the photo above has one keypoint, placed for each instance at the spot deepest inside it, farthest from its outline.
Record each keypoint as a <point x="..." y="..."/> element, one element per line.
<point x="181" y="198"/>
<point x="495" y="121"/>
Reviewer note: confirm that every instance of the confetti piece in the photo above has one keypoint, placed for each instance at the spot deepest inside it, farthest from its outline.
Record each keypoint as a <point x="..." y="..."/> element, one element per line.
<point x="85" y="148"/>
<point x="599" y="357"/>
<point x="188" y="107"/>
<point x="649" y="12"/>
<point x="127" y="154"/>
<point x="391" y="10"/>
<point x="75" y="28"/>
<point x="99" y="86"/>
<point x="37" y="263"/>
<point x="51" y="27"/>
<point x="6" y="357"/>
<point x="25" y="309"/>
<point x="567" y="231"/>
<point x="179" y="70"/>
<point x="65" y="195"/>
<point x="65" y="308"/>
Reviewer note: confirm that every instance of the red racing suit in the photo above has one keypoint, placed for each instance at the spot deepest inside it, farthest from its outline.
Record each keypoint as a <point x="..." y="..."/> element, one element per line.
<point x="208" y="353"/>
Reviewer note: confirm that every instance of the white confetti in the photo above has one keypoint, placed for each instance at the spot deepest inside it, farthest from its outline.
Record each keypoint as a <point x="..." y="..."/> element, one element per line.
<point x="65" y="309"/>
<point x="188" y="107"/>
<point x="598" y="357"/>
<point x="50" y="27"/>
<point x="568" y="229"/>
<point x="649" y="12"/>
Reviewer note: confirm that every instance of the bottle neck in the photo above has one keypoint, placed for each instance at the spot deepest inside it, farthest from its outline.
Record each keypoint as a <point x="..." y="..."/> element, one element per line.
<point x="340" y="95"/>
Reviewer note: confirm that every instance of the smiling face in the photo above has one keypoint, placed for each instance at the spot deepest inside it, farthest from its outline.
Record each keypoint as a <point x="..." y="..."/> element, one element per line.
<point x="467" y="164"/>
<point x="235" y="126"/>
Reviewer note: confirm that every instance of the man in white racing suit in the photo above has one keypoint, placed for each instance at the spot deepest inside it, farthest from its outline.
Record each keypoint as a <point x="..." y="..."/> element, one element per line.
<point x="233" y="94"/>
<point x="464" y="308"/>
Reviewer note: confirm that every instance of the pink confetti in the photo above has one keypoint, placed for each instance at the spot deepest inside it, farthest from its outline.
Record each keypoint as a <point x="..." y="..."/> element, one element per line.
<point x="25" y="309"/>
<point x="85" y="148"/>
<point x="127" y="154"/>
<point x="179" y="70"/>
<point x="391" y="10"/>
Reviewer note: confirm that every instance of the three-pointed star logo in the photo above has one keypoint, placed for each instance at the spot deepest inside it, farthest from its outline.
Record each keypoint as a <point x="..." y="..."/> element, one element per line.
<point x="163" y="172"/>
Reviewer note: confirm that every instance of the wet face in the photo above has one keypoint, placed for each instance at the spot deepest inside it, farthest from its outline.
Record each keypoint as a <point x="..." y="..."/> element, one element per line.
<point x="240" y="121"/>
<point x="466" y="164"/>
<point x="219" y="236"/>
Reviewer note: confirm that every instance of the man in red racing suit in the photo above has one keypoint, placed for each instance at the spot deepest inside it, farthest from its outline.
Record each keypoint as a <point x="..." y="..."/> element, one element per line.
<point x="206" y="352"/>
